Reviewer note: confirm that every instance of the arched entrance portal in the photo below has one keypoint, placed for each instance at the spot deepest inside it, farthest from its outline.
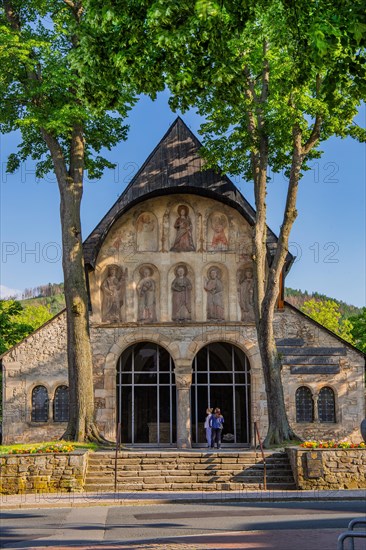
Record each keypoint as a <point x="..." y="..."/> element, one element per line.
<point x="146" y="395"/>
<point x="221" y="378"/>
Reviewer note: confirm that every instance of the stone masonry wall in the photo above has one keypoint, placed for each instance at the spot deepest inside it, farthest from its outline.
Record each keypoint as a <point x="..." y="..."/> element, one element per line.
<point x="328" y="468"/>
<point x="42" y="473"/>
<point x="40" y="359"/>
<point x="348" y="383"/>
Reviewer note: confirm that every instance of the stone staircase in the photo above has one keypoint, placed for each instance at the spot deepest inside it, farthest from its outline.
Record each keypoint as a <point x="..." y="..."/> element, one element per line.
<point x="188" y="470"/>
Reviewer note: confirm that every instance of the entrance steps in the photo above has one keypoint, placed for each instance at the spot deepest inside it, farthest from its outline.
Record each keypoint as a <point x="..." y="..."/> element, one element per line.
<point x="188" y="470"/>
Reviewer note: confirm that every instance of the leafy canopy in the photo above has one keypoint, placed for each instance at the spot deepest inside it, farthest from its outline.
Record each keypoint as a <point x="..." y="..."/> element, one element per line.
<point x="40" y="86"/>
<point x="12" y="327"/>
<point x="359" y="330"/>
<point x="327" y="314"/>
<point x="211" y="54"/>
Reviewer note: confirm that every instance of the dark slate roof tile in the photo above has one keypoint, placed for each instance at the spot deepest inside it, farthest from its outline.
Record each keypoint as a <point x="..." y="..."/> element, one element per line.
<point x="174" y="164"/>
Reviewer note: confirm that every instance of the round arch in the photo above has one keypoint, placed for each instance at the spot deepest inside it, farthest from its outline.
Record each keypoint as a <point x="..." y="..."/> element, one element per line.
<point x="221" y="378"/>
<point x="146" y="395"/>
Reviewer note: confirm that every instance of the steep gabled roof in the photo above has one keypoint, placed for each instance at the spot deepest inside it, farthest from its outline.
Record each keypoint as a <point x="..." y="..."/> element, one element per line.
<point x="174" y="166"/>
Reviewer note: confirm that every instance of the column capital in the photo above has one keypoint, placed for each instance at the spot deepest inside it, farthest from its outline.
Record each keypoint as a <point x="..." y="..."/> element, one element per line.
<point x="183" y="365"/>
<point x="183" y="380"/>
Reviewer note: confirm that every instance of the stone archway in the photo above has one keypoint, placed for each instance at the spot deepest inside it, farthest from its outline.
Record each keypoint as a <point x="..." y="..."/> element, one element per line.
<point x="146" y="395"/>
<point x="221" y="378"/>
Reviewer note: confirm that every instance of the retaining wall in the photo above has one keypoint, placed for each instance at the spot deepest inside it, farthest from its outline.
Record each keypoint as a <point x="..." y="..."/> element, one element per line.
<point x="43" y="473"/>
<point x="328" y="468"/>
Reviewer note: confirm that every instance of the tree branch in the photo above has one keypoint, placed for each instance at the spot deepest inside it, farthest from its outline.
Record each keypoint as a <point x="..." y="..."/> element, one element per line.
<point x="57" y="156"/>
<point x="289" y="217"/>
<point x="314" y="136"/>
<point x="12" y="16"/>
<point x="76" y="8"/>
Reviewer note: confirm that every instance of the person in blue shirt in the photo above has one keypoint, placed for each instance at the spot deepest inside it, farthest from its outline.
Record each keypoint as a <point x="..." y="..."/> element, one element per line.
<point x="216" y="422"/>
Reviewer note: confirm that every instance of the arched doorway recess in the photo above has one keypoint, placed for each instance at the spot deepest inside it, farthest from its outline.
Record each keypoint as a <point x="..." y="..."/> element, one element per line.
<point x="146" y="395"/>
<point x="221" y="378"/>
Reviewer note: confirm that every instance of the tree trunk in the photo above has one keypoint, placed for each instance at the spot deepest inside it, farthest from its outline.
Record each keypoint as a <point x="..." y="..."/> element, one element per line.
<point x="79" y="353"/>
<point x="81" y="424"/>
<point x="278" y="426"/>
<point x="266" y="286"/>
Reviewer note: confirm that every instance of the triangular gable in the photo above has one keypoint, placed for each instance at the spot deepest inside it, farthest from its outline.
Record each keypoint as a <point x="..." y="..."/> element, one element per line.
<point x="174" y="165"/>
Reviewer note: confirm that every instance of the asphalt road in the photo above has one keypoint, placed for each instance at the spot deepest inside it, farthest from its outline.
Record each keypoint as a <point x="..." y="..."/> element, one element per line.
<point x="119" y="524"/>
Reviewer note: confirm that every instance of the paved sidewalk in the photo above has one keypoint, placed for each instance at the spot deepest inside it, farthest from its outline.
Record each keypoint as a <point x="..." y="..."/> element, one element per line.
<point x="66" y="500"/>
<point x="301" y="539"/>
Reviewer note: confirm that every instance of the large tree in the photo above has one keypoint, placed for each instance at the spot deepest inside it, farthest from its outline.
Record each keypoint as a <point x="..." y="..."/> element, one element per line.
<point x="272" y="78"/>
<point x="39" y="96"/>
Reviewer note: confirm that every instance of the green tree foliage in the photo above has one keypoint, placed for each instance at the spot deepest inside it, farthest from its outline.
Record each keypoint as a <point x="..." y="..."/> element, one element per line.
<point x="272" y="78"/>
<point x="40" y="96"/>
<point x="298" y="297"/>
<point x="35" y="315"/>
<point x="13" y="325"/>
<point x="358" y="330"/>
<point x="327" y="313"/>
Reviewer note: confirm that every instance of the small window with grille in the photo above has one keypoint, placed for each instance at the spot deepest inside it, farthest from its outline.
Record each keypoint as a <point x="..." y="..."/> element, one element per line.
<point x="326" y="405"/>
<point x="304" y="405"/>
<point x="39" y="404"/>
<point x="61" y="404"/>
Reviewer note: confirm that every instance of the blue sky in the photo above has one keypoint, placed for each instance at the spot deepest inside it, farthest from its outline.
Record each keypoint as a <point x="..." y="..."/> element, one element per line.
<point x="328" y="237"/>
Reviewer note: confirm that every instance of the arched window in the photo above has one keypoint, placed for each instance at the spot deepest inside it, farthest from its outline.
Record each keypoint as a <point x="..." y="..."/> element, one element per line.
<point x="326" y="405"/>
<point x="39" y="404"/>
<point x="61" y="404"/>
<point x="304" y="405"/>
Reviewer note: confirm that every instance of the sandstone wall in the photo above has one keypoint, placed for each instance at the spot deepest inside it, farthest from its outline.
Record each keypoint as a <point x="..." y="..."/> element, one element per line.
<point x="328" y="468"/>
<point x="346" y="378"/>
<point x="43" y="473"/>
<point x="40" y="359"/>
<point x="142" y="249"/>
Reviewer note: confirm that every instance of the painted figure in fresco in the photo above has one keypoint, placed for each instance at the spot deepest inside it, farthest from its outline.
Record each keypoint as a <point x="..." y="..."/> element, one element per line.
<point x="219" y="239"/>
<point x="215" y="295"/>
<point x="146" y="292"/>
<point x="181" y="295"/>
<point x="146" y="223"/>
<point x="147" y="238"/>
<point x="113" y="290"/>
<point x="246" y="294"/>
<point x="183" y="239"/>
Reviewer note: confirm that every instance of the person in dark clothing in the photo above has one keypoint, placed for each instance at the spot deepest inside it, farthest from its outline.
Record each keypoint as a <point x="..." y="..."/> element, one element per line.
<point x="216" y="422"/>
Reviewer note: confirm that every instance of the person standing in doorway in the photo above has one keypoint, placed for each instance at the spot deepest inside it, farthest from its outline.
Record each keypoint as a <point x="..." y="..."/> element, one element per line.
<point x="208" y="427"/>
<point x="217" y="424"/>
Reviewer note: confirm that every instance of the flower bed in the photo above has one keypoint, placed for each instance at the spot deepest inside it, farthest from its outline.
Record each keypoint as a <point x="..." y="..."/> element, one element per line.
<point x="332" y="445"/>
<point x="55" y="448"/>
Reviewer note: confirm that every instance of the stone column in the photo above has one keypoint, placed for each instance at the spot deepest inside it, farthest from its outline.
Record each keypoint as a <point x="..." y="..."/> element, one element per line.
<point x="183" y="380"/>
<point x="315" y="401"/>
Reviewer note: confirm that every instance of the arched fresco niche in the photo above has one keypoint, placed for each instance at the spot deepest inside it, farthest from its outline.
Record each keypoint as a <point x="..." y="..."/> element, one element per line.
<point x="148" y="290"/>
<point x="182" y="229"/>
<point x="245" y="287"/>
<point x="217" y="232"/>
<point x="113" y="294"/>
<point x="182" y="293"/>
<point x="147" y="231"/>
<point x="216" y="293"/>
<point x="120" y="241"/>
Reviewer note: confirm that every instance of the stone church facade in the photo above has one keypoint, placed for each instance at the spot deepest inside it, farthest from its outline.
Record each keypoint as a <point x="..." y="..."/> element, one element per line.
<point x="170" y="281"/>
